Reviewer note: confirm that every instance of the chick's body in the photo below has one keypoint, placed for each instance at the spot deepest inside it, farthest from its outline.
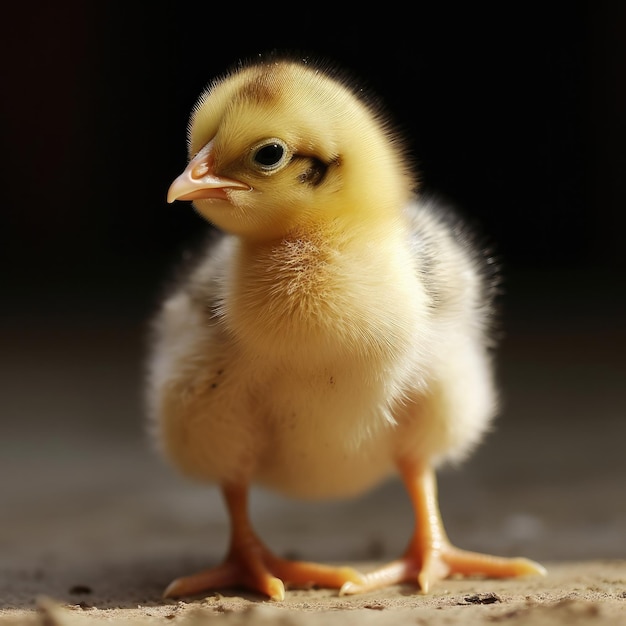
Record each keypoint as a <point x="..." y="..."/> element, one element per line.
<point x="337" y="331"/>
<point x="311" y="368"/>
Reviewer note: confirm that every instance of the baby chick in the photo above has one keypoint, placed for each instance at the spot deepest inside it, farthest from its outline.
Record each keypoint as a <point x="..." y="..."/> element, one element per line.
<point x="334" y="333"/>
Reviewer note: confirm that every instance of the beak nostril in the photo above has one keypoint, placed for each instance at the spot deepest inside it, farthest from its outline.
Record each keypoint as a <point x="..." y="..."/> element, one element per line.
<point x="200" y="170"/>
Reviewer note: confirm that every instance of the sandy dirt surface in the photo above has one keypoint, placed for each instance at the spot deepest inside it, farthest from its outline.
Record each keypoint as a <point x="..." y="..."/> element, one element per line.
<point x="577" y="593"/>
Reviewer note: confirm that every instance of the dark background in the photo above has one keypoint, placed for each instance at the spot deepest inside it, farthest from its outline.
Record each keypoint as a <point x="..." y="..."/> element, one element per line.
<point x="514" y="113"/>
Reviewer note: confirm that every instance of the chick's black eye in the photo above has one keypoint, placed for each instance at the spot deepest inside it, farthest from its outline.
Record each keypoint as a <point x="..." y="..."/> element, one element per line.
<point x="269" y="155"/>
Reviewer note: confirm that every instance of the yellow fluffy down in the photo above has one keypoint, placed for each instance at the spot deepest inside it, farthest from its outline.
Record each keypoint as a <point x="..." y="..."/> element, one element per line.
<point x="338" y="325"/>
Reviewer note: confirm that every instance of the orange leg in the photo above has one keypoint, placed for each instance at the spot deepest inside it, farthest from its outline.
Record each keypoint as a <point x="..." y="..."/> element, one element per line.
<point x="251" y="565"/>
<point x="430" y="556"/>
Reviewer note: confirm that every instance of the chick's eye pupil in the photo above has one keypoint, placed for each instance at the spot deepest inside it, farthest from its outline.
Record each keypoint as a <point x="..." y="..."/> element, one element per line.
<point x="269" y="155"/>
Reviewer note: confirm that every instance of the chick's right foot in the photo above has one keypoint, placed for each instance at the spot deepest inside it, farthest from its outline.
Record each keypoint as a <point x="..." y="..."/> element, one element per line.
<point x="255" y="568"/>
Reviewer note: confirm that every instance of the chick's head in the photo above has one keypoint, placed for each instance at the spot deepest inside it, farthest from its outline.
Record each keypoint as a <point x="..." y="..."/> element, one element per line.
<point x="281" y="146"/>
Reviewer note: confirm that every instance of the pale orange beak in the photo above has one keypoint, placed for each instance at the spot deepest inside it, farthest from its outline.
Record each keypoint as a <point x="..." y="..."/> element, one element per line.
<point x="199" y="182"/>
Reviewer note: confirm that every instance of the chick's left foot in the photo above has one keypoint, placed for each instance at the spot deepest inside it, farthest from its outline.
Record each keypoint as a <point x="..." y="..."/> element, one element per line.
<point x="430" y="556"/>
<point x="436" y="563"/>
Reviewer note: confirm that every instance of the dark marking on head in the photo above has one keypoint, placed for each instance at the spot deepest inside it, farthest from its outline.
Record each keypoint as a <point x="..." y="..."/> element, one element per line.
<point x="263" y="88"/>
<point x="316" y="170"/>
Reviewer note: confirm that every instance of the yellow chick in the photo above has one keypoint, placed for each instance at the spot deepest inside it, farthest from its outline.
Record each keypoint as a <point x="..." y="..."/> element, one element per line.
<point x="334" y="334"/>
